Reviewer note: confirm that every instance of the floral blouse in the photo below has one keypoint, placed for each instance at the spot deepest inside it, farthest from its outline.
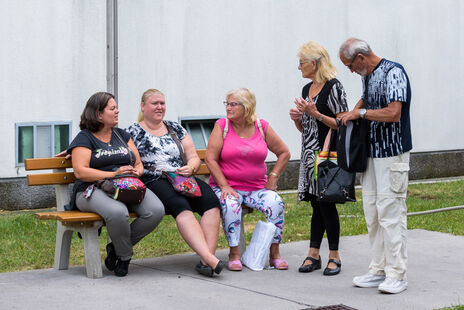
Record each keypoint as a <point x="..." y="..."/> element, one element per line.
<point x="161" y="152"/>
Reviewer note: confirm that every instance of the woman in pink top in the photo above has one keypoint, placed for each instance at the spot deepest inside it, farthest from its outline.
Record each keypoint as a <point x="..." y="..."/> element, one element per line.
<point x="236" y="152"/>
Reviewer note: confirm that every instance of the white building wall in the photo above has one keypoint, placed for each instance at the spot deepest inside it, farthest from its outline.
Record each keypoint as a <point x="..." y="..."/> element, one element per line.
<point x="53" y="58"/>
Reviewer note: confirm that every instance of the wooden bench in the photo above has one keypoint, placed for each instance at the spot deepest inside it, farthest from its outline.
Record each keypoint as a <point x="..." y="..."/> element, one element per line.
<point x="85" y="223"/>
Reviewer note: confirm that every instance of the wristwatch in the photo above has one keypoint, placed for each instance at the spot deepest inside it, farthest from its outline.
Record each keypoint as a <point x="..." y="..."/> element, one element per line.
<point x="362" y="113"/>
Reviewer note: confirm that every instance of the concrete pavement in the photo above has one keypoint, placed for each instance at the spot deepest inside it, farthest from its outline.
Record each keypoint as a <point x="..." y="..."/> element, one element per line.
<point x="435" y="276"/>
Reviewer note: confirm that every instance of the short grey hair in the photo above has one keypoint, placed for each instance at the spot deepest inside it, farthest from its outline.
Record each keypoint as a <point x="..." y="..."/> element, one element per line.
<point x="352" y="47"/>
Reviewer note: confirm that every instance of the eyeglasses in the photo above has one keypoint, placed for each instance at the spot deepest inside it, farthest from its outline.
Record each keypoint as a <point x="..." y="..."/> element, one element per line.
<point x="351" y="63"/>
<point x="231" y="104"/>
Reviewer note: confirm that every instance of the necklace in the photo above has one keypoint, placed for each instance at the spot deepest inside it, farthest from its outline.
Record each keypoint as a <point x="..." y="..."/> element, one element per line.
<point x="102" y="140"/>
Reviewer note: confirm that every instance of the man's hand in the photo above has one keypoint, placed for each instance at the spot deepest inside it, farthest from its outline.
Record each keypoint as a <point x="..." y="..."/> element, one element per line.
<point x="350" y="116"/>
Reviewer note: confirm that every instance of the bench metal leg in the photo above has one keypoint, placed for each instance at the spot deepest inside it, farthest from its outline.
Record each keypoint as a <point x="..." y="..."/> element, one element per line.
<point x="92" y="251"/>
<point x="62" y="246"/>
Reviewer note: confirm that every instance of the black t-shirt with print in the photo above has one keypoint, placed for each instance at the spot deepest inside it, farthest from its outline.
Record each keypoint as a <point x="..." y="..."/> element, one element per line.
<point x="105" y="156"/>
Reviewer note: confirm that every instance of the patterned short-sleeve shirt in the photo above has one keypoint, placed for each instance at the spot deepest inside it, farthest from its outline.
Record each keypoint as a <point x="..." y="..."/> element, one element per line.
<point x="388" y="82"/>
<point x="161" y="152"/>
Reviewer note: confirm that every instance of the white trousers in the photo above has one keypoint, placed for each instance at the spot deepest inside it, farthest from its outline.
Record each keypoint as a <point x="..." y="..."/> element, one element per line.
<point x="384" y="190"/>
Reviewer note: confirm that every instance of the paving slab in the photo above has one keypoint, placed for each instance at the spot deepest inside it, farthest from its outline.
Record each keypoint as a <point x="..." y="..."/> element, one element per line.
<point x="435" y="276"/>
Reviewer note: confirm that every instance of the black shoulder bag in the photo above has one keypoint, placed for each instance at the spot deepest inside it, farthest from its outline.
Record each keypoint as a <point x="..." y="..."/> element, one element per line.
<point x="333" y="183"/>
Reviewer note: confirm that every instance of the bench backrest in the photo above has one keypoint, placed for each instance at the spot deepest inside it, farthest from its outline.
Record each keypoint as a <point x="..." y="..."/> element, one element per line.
<point x="61" y="178"/>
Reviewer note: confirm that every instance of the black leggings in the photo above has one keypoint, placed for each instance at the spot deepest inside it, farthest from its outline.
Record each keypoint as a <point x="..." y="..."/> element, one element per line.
<point x="174" y="203"/>
<point x="325" y="218"/>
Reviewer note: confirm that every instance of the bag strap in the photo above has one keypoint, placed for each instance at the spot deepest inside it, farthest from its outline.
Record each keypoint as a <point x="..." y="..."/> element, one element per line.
<point x="326" y="146"/>
<point x="226" y="129"/>
<point x="132" y="160"/>
<point x="258" y="121"/>
<point x="178" y="143"/>
<point x="260" y="127"/>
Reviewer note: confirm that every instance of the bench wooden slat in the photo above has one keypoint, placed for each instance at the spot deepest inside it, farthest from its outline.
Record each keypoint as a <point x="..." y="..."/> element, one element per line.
<point x="72" y="216"/>
<point x="47" y="163"/>
<point x="201" y="153"/>
<point x="50" y="178"/>
<point x="203" y="170"/>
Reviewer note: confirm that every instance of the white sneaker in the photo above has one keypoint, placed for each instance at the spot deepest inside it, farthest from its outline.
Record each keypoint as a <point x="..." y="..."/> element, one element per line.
<point x="368" y="280"/>
<point x="393" y="286"/>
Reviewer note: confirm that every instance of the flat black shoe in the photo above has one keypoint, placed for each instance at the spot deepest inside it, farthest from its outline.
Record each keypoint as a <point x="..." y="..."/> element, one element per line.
<point x="316" y="264"/>
<point x="205" y="269"/>
<point x="111" y="258"/>
<point x="331" y="272"/>
<point x="220" y="265"/>
<point x="122" y="268"/>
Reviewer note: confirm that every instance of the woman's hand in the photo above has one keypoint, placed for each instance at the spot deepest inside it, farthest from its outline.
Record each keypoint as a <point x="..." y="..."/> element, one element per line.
<point x="185" y="171"/>
<point x="307" y="107"/>
<point x="63" y="154"/>
<point x="295" y="114"/>
<point x="227" y="192"/>
<point x="271" y="183"/>
<point x="127" y="170"/>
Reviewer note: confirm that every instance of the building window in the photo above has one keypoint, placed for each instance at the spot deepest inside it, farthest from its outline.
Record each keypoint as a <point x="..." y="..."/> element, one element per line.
<point x="199" y="128"/>
<point x="37" y="140"/>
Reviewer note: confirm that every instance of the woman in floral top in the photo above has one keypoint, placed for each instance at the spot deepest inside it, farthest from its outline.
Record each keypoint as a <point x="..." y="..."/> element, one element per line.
<point x="159" y="152"/>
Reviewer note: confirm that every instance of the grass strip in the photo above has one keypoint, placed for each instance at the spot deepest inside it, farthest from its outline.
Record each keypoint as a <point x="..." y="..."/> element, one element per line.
<point x="27" y="243"/>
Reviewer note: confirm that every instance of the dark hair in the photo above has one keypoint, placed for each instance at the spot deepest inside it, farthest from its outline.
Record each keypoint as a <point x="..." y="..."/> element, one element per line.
<point x="89" y="117"/>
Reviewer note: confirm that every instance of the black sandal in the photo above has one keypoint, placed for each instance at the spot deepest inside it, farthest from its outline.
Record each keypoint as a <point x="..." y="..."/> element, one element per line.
<point x="316" y="264"/>
<point x="208" y="270"/>
<point x="331" y="272"/>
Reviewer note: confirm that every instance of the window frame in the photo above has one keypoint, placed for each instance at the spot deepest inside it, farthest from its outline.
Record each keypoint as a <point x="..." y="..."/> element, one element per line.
<point x="199" y="120"/>
<point x="34" y="126"/>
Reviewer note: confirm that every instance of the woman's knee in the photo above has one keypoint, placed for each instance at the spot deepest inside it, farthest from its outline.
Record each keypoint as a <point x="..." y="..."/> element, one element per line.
<point x="151" y="207"/>
<point x="117" y="214"/>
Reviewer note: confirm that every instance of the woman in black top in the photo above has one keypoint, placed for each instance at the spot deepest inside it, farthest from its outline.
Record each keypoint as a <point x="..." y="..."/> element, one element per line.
<point x="323" y="99"/>
<point x="99" y="151"/>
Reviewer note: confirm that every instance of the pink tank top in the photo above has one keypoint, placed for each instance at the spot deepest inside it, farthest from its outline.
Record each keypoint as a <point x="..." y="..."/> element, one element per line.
<point x="242" y="160"/>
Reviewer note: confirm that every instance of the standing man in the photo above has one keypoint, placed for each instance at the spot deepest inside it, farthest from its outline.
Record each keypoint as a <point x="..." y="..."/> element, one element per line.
<point x="385" y="103"/>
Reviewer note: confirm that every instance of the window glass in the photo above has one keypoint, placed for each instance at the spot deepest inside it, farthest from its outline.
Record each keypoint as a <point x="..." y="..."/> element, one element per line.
<point x="197" y="136"/>
<point x="61" y="138"/>
<point x="44" y="143"/>
<point x="25" y="143"/>
<point x="208" y="128"/>
<point x="39" y="140"/>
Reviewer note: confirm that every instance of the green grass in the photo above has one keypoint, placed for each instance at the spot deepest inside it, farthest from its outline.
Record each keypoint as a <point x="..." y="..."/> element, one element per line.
<point x="27" y="243"/>
<point x="460" y="307"/>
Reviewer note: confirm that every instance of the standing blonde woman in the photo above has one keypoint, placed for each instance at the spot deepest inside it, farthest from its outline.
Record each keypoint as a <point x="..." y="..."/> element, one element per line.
<point x="236" y="152"/>
<point x="322" y="100"/>
<point x="159" y="152"/>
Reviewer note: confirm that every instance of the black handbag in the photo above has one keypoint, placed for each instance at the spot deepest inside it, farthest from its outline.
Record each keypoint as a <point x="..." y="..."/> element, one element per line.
<point x="352" y="145"/>
<point x="333" y="183"/>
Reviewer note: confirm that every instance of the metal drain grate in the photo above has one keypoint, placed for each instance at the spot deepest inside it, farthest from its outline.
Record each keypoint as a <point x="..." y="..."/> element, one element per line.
<point x="332" y="307"/>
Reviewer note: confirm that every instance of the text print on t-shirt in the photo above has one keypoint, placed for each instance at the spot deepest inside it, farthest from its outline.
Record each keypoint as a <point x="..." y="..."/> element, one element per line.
<point x="245" y="149"/>
<point x="120" y="151"/>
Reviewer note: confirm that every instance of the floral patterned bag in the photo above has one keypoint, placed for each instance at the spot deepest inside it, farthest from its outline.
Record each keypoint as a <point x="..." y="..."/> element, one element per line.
<point x="186" y="186"/>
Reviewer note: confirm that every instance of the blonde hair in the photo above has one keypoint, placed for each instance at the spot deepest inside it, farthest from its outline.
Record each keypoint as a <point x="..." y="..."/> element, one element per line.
<point x="313" y="50"/>
<point x="248" y="100"/>
<point x="145" y="96"/>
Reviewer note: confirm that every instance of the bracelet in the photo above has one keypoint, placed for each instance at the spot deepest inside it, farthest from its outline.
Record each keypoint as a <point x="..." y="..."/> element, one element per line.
<point x="321" y="118"/>
<point x="274" y="174"/>
<point x="193" y="169"/>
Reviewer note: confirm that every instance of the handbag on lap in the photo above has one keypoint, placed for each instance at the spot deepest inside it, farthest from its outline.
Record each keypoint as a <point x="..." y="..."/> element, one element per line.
<point x="186" y="186"/>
